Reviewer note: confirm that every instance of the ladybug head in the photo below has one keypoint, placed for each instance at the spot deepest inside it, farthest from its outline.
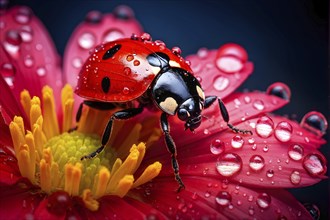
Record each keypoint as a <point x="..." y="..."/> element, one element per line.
<point x="190" y="112"/>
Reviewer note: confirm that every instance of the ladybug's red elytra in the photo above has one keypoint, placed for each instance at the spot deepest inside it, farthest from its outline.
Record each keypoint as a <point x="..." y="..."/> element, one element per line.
<point x="139" y="70"/>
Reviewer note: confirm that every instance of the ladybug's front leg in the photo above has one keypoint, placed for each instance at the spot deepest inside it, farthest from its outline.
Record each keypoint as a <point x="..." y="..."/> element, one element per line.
<point x="171" y="148"/>
<point x="120" y="115"/>
<point x="209" y="100"/>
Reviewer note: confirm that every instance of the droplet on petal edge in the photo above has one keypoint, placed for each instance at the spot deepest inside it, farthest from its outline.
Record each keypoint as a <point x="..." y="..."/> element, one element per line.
<point x="315" y="122"/>
<point x="280" y="90"/>
<point x="315" y="164"/>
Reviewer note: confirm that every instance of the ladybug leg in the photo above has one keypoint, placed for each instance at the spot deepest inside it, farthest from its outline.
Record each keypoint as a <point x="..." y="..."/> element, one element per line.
<point x="120" y="115"/>
<point x="209" y="100"/>
<point x="172" y="149"/>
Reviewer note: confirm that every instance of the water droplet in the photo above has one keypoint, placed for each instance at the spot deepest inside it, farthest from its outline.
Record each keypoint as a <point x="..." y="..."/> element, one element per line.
<point x="26" y="34"/>
<point x="146" y="37"/>
<point x="23" y="15"/>
<point x="256" y="163"/>
<point x="280" y="90"/>
<point x="221" y="83"/>
<point x="258" y="104"/>
<point x="123" y="12"/>
<point x="12" y="42"/>
<point x="315" y="122"/>
<point x="28" y="61"/>
<point x="112" y="34"/>
<point x="126" y="90"/>
<point x="217" y="147"/>
<point x="129" y="58"/>
<point x="313" y="210"/>
<point x="8" y="72"/>
<point x="77" y="62"/>
<point x="251" y="210"/>
<point x="229" y="64"/>
<point x="41" y="71"/>
<point x="296" y="152"/>
<point x="202" y="53"/>
<point x="264" y="127"/>
<point x="207" y="194"/>
<point x="59" y="202"/>
<point x="229" y="164"/>
<point x="136" y="62"/>
<point x="295" y="177"/>
<point x="283" y="131"/>
<point x="87" y="40"/>
<point x="251" y="141"/>
<point x="223" y="198"/>
<point x="270" y="173"/>
<point x="247" y="99"/>
<point x="315" y="164"/>
<point x="176" y="51"/>
<point x="263" y="201"/>
<point x="237" y="142"/>
<point x="127" y="71"/>
<point x="93" y="17"/>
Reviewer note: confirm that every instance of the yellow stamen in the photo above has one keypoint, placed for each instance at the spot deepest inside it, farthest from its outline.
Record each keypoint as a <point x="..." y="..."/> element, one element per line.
<point x="39" y="136"/>
<point x="149" y="173"/>
<point x="17" y="134"/>
<point x="101" y="182"/>
<point x="142" y="150"/>
<point x="67" y="107"/>
<point x="89" y="201"/>
<point x="35" y="111"/>
<point x="26" y="101"/>
<point x="45" y="180"/>
<point x="124" y="185"/>
<point x="24" y="162"/>
<point x="50" y="127"/>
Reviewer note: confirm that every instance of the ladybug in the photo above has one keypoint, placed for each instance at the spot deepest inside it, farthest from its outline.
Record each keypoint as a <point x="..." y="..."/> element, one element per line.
<point x="139" y="70"/>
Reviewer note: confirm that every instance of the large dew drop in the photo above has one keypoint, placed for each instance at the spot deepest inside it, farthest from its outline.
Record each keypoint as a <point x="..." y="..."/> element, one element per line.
<point x="315" y="122"/>
<point x="229" y="164"/>
<point x="87" y="41"/>
<point x="263" y="201"/>
<point x="296" y="152"/>
<point x="112" y="35"/>
<point x="315" y="164"/>
<point x="237" y="142"/>
<point x="280" y="90"/>
<point x="264" y="127"/>
<point x="223" y="198"/>
<point x="256" y="163"/>
<point x="283" y="131"/>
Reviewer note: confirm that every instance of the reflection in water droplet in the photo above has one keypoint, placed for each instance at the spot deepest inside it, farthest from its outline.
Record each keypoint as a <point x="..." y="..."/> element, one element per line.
<point x="296" y="152"/>
<point x="229" y="164"/>
<point x="126" y="90"/>
<point x="217" y="147"/>
<point x="229" y="64"/>
<point x="136" y="62"/>
<point x="87" y="40"/>
<point x="315" y="164"/>
<point x="315" y="122"/>
<point x="257" y="162"/>
<point x="223" y="198"/>
<point x="41" y="71"/>
<point x="295" y="177"/>
<point x="280" y="90"/>
<point x="263" y="201"/>
<point x="313" y="210"/>
<point x="270" y="173"/>
<point x="258" y="105"/>
<point x="283" y="131"/>
<point x="237" y="142"/>
<point x="264" y="127"/>
<point x="112" y="35"/>
<point x="221" y="83"/>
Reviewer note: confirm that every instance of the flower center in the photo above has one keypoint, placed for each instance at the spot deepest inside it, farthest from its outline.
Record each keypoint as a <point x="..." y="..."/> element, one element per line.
<point x="51" y="158"/>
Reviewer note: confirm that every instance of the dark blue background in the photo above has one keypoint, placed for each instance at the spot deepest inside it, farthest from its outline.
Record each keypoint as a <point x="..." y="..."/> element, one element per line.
<point x="287" y="41"/>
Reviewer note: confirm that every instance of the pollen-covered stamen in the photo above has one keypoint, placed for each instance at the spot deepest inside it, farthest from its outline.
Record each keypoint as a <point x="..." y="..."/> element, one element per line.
<point x="51" y="159"/>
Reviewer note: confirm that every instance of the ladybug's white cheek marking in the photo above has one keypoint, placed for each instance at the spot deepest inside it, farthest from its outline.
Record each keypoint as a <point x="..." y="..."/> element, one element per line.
<point x="169" y="105"/>
<point x="200" y="92"/>
<point x="154" y="69"/>
<point x="174" y="63"/>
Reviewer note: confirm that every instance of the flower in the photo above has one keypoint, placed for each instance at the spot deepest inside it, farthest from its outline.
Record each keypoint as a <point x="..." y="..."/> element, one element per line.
<point x="227" y="175"/>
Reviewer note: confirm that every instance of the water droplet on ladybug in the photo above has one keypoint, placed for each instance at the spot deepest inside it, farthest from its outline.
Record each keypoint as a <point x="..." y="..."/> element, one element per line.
<point x="202" y="53"/>
<point x="126" y="90"/>
<point x="237" y="142"/>
<point x="223" y="198"/>
<point x="229" y="164"/>
<point x="160" y="44"/>
<point x="41" y="71"/>
<point x="28" y="61"/>
<point x="263" y="200"/>
<point x="112" y="35"/>
<point x="315" y="122"/>
<point x="8" y="72"/>
<point x="123" y="12"/>
<point x="136" y="62"/>
<point x="146" y="37"/>
<point x="283" y="131"/>
<point x="93" y="17"/>
<point x="176" y="51"/>
<point x="280" y="90"/>
<point x="87" y="40"/>
<point x="127" y="71"/>
<point x="217" y="147"/>
<point x="258" y="105"/>
<point x="295" y="177"/>
<point x="26" y="34"/>
<point x="315" y="164"/>
<point x="221" y="83"/>
<point x="129" y="58"/>
<point x="256" y="163"/>
<point x="23" y="15"/>
<point x="264" y="127"/>
<point x="296" y="152"/>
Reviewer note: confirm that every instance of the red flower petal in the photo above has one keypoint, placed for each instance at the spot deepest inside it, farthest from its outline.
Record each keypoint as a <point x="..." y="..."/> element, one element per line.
<point x="9" y="171"/>
<point x="211" y="198"/>
<point x="31" y="52"/>
<point x="215" y="80"/>
<point x="5" y="138"/>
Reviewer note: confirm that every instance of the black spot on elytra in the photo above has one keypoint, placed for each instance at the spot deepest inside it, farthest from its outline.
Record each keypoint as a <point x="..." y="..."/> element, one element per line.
<point x="111" y="52"/>
<point x="105" y="84"/>
<point x="158" y="59"/>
